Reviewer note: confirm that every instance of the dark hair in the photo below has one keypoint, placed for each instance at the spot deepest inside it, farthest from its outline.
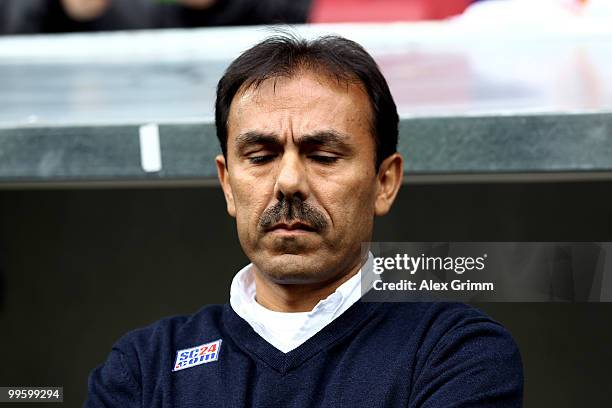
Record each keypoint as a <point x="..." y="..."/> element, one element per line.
<point x="337" y="57"/>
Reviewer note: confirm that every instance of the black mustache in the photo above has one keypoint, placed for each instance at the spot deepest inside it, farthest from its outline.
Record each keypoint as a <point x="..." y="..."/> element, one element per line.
<point x="293" y="209"/>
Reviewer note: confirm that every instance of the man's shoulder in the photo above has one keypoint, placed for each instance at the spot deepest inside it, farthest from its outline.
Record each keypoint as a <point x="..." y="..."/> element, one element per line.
<point x="461" y="352"/>
<point x="435" y="324"/>
<point x="145" y="357"/>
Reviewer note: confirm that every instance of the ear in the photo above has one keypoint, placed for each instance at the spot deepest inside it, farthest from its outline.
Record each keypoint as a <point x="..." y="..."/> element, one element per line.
<point x="389" y="180"/>
<point x="224" y="177"/>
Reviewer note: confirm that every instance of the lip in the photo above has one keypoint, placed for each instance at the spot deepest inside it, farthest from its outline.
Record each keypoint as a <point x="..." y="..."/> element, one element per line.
<point x="295" y="228"/>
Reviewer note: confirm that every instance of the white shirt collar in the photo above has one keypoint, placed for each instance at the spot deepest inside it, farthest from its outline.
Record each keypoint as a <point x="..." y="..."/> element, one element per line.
<point x="287" y="331"/>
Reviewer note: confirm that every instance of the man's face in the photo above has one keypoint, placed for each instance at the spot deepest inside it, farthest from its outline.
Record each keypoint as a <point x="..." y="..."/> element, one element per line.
<point x="300" y="177"/>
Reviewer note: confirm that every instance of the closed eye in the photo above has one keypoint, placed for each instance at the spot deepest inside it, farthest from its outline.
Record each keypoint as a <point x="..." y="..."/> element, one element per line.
<point x="261" y="159"/>
<point x="324" y="159"/>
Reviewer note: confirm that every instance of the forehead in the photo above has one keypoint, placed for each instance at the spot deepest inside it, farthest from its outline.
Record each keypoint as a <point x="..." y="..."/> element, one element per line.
<point x="303" y="103"/>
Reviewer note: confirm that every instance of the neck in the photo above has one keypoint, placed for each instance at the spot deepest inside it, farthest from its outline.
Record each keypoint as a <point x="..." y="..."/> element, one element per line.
<point x="296" y="297"/>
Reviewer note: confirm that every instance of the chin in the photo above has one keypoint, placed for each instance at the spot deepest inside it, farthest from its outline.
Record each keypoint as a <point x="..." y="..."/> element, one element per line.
<point x="292" y="243"/>
<point x="293" y="268"/>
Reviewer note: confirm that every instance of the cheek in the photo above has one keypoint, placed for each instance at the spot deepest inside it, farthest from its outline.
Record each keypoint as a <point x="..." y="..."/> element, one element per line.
<point x="348" y="203"/>
<point x="250" y="204"/>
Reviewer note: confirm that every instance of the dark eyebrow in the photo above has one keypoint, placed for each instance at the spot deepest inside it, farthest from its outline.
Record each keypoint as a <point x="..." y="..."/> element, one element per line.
<point x="329" y="138"/>
<point x="253" y="137"/>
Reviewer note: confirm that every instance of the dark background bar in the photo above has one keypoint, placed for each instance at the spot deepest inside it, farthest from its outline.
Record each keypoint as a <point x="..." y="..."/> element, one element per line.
<point x="82" y="267"/>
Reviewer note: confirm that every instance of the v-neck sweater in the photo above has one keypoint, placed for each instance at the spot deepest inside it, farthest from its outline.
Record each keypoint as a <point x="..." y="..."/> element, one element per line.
<point x="373" y="355"/>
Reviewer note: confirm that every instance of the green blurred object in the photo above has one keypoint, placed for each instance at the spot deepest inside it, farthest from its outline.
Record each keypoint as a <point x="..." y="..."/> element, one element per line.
<point x="167" y="1"/>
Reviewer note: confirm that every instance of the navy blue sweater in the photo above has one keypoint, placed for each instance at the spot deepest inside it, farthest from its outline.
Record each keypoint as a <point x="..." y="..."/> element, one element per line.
<point x="373" y="355"/>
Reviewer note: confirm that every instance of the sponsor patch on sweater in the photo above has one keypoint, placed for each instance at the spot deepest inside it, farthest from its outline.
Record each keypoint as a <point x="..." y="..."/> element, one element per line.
<point x="193" y="356"/>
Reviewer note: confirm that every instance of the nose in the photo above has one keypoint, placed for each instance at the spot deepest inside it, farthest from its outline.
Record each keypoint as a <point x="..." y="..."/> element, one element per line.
<point x="291" y="178"/>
